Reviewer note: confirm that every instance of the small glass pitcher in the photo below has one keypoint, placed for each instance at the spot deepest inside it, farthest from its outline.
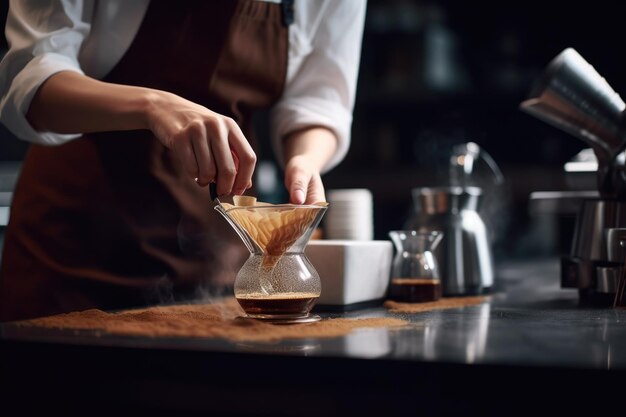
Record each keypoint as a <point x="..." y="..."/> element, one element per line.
<point x="414" y="272"/>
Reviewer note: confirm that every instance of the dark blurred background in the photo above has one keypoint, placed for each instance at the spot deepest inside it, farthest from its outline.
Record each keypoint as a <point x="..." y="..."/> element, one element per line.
<point x="439" y="73"/>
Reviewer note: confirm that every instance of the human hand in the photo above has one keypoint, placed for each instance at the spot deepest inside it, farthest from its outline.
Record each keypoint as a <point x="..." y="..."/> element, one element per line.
<point x="306" y="151"/>
<point x="211" y="147"/>
<point x="303" y="181"/>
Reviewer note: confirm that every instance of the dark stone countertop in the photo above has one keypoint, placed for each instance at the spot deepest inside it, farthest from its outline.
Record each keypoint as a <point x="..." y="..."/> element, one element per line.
<point x="532" y="341"/>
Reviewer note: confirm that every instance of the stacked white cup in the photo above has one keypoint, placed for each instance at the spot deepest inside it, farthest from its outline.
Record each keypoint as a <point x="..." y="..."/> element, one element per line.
<point x="350" y="214"/>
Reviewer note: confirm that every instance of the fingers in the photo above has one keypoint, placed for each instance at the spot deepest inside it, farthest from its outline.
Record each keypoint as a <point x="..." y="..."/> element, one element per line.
<point x="210" y="146"/>
<point x="194" y="152"/>
<point x="186" y="154"/>
<point x="224" y="162"/>
<point x="232" y="160"/>
<point x="304" y="187"/>
<point x="215" y="150"/>
<point x="204" y="157"/>
<point x="244" y="157"/>
<point x="316" y="191"/>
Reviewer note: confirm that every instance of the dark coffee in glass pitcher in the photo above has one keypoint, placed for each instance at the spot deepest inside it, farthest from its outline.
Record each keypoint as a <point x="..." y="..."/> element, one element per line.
<point x="414" y="274"/>
<point x="414" y="290"/>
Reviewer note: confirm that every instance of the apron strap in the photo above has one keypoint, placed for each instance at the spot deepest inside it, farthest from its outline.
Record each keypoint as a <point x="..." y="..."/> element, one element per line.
<point x="288" y="13"/>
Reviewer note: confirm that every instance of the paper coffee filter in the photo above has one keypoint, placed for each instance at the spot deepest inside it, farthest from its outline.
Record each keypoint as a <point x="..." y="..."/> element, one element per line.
<point x="274" y="227"/>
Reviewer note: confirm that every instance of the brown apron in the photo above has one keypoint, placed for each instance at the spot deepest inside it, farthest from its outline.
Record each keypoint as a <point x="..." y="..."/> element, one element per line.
<point x="111" y="220"/>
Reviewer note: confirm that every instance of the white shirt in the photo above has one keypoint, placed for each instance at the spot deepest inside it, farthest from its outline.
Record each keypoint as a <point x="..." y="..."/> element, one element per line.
<point x="46" y="37"/>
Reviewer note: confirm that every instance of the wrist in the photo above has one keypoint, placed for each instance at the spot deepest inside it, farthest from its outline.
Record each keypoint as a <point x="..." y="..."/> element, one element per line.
<point x="315" y="144"/>
<point x="145" y="107"/>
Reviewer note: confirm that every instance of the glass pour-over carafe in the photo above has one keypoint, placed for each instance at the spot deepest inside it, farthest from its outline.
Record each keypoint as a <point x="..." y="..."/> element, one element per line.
<point x="414" y="271"/>
<point x="277" y="282"/>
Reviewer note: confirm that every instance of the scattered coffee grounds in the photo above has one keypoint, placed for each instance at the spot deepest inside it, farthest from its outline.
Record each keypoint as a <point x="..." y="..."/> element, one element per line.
<point x="443" y="303"/>
<point x="217" y="320"/>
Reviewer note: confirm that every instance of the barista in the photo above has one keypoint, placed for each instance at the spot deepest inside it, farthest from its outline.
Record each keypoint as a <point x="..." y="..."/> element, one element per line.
<point x="132" y="108"/>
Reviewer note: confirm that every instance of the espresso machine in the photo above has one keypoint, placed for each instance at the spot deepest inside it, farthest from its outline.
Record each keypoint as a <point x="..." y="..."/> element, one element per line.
<point x="572" y="96"/>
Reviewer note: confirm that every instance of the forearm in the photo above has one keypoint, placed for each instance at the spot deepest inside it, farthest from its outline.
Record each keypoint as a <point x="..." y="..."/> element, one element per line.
<point x="210" y="146"/>
<point x="306" y="153"/>
<point x="70" y="102"/>
<point x="316" y="144"/>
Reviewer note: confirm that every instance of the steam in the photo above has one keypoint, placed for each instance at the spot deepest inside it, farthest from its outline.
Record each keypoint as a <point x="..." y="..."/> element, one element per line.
<point x="161" y="292"/>
<point x="453" y="160"/>
<point x="218" y="253"/>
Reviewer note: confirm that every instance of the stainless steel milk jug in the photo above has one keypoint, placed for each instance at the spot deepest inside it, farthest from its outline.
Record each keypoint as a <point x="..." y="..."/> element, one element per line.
<point x="464" y="254"/>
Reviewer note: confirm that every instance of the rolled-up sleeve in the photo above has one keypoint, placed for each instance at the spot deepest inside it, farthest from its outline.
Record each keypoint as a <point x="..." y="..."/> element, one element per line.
<point x="321" y="88"/>
<point x="44" y="38"/>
